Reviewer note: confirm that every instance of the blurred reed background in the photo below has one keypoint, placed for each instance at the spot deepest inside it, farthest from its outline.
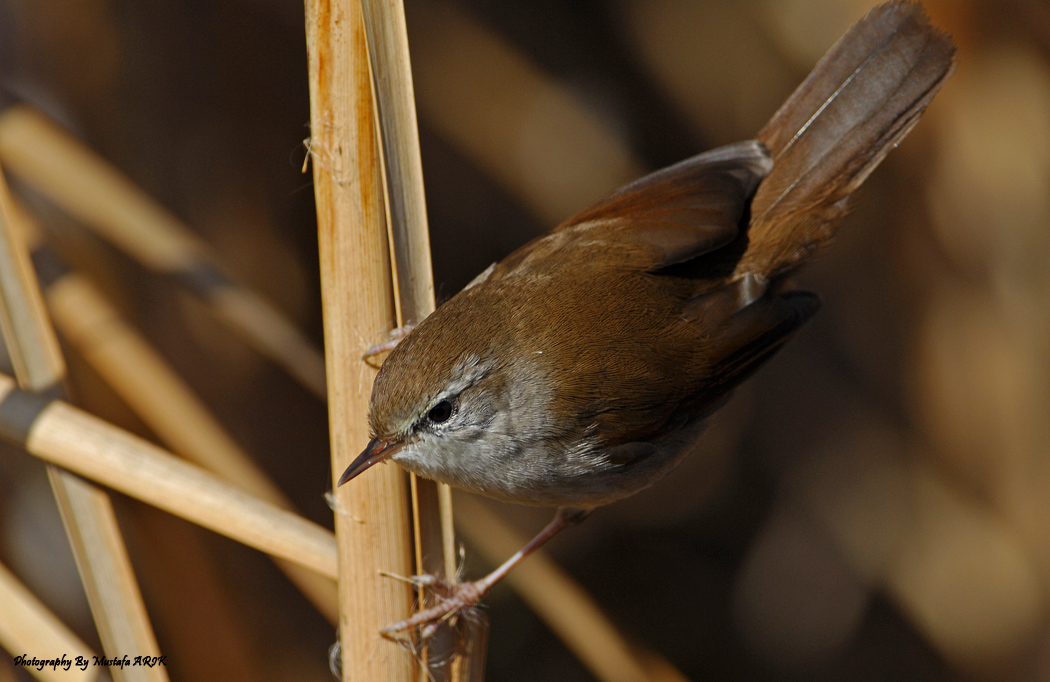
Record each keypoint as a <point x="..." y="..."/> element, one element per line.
<point x="874" y="505"/>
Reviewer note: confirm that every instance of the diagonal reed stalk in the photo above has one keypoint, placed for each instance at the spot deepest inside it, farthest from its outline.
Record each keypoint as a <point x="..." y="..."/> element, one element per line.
<point x="141" y="376"/>
<point x="87" y="512"/>
<point x="26" y="624"/>
<point x="87" y="187"/>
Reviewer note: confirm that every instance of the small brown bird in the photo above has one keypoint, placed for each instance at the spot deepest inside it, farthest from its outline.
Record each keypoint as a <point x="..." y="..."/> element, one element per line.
<point x="581" y="369"/>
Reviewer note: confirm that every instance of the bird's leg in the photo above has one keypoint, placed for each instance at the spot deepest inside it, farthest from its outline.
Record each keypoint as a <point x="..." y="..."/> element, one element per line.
<point x="392" y="339"/>
<point x="454" y="598"/>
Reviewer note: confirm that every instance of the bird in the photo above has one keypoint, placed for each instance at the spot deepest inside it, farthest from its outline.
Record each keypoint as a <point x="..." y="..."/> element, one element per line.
<point x="584" y="366"/>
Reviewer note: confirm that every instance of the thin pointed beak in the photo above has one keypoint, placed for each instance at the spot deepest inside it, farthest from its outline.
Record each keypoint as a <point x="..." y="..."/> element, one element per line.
<point x="376" y="451"/>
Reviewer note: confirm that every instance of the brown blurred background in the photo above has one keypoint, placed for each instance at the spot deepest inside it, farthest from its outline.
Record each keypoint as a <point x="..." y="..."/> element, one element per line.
<point x="873" y="505"/>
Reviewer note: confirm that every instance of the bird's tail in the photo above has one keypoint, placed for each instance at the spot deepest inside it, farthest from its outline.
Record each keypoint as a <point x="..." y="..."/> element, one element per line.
<point x="860" y="100"/>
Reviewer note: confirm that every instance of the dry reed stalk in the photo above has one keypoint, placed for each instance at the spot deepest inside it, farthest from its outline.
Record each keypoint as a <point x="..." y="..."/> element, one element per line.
<point x="26" y="625"/>
<point x="98" y="195"/>
<point x="105" y="569"/>
<point x="556" y="598"/>
<point x="155" y="392"/>
<point x="402" y="163"/>
<point x="145" y="381"/>
<point x="413" y="275"/>
<point x="59" y="433"/>
<point x="86" y="511"/>
<point x="372" y="519"/>
<point x="27" y="331"/>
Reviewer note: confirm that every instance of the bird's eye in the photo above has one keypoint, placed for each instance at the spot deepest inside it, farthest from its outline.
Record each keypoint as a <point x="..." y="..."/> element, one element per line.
<point x="440" y="413"/>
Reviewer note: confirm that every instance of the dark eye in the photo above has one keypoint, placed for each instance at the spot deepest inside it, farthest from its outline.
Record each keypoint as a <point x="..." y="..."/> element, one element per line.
<point x="440" y="412"/>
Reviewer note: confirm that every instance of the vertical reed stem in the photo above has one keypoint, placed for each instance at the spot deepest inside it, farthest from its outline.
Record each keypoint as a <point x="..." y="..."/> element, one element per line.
<point x="372" y="521"/>
<point x="414" y="279"/>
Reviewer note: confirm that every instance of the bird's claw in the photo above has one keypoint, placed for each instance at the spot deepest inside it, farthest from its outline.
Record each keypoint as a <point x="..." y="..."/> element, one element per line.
<point x="393" y="338"/>
<point x="453" y="599"/>
<point x="424" y="580"/>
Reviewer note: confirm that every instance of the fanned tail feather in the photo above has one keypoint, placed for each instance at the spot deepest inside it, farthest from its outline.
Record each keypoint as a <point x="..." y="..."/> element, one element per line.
<point x="860" y="100"/>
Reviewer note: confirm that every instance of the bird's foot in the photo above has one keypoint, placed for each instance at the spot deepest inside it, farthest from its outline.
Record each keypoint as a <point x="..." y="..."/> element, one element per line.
<point x="392" y="339"/>
<point x="453" y="600"/>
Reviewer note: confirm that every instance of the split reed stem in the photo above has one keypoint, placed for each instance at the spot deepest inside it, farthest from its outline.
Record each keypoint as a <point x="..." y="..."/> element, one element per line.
<point x="373" y="527"/>
<point x="414" y="279"/>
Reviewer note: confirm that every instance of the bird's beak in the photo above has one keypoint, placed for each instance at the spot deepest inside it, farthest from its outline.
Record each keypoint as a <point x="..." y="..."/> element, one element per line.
<point x="376" y="451"/>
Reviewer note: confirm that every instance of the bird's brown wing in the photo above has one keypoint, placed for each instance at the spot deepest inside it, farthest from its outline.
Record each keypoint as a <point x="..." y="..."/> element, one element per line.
<point x="670" y="216"/>
<point x="746" y="338"/>
<point x="737" y="346"/>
